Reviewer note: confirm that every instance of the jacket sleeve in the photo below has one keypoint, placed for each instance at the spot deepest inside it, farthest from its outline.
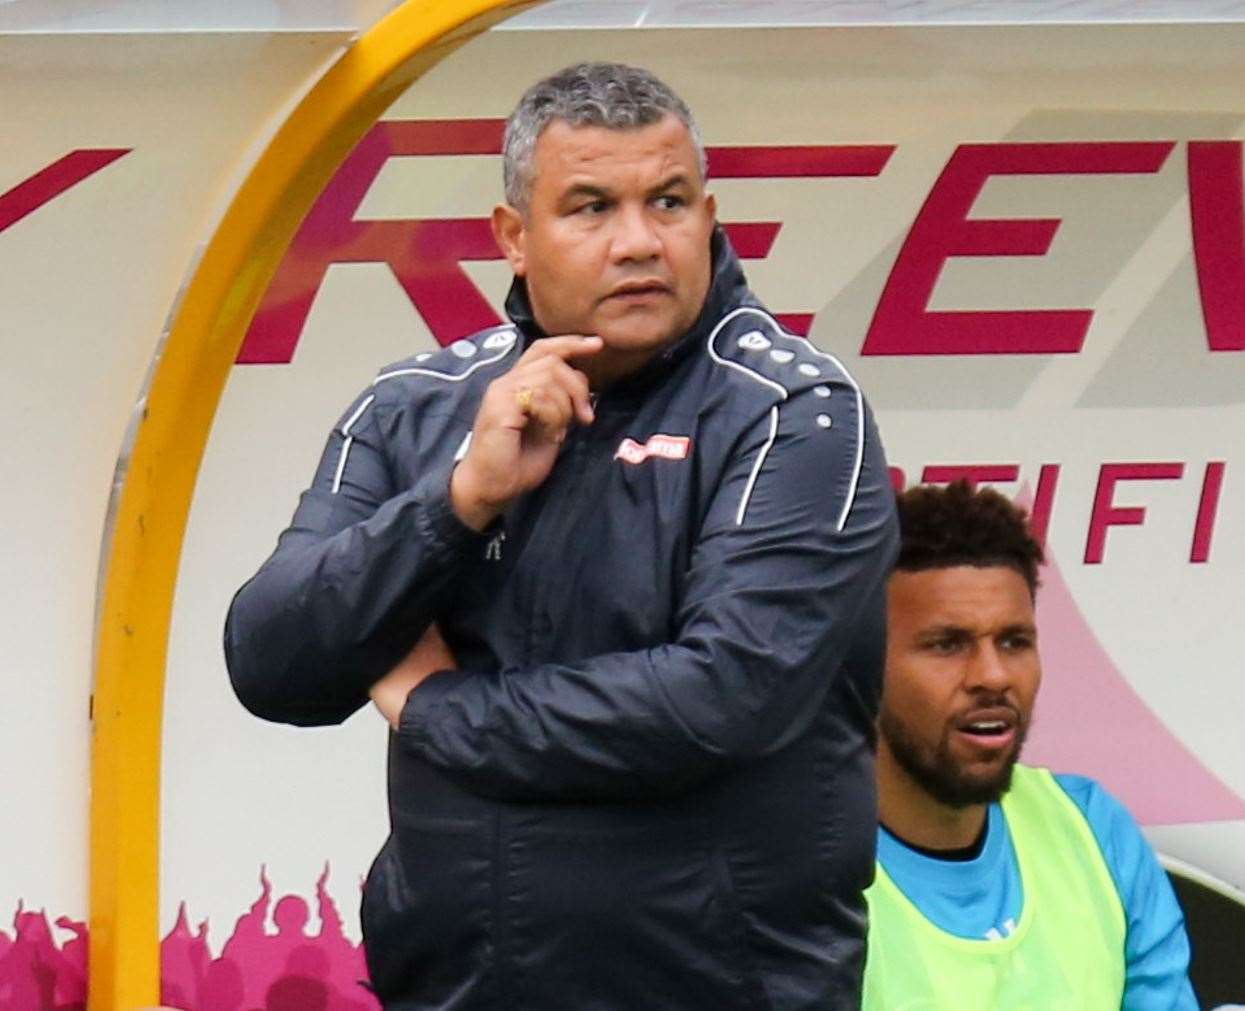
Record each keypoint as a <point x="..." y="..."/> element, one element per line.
<point x="798" y="538"/>
<point x="351" y="585"/>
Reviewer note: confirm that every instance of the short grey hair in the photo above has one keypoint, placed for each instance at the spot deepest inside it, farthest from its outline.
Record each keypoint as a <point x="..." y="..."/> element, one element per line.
<point x="612" y="95"/>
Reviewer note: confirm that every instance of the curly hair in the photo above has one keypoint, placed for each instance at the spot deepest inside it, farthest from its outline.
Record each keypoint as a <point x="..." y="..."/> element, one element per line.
<point x="954" y="525"/>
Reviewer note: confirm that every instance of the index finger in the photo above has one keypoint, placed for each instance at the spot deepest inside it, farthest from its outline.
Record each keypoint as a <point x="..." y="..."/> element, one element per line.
<point x="566" y="347"/>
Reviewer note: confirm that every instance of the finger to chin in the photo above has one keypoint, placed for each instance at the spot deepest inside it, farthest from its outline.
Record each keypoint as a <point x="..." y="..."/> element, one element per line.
<point x="544" y="380"/>
<point x="564" y="347"/>
<point x="535" y="374"/>
<point x="516" y="400"/>
<point x="544" y="429"/>
<point x="575" y="384"/>
<point x="551" y="410"/>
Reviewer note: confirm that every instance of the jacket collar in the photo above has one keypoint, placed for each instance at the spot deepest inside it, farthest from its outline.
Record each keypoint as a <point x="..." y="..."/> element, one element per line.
<point x="728" y="290"/>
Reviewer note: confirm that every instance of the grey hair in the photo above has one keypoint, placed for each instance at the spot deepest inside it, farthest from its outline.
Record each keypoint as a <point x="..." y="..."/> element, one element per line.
<point x="612" y="95"/>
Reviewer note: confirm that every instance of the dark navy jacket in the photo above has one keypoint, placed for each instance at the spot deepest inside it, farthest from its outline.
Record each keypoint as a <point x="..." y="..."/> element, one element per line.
<point x="650" y="784"/>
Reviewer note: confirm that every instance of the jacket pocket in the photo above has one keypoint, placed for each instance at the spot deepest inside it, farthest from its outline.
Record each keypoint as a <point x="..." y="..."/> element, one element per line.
<point x="427" y="914"/>
<point x="625" y="918"/>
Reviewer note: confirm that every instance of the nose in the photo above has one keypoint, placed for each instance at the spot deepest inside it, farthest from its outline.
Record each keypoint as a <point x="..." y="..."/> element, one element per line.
<point x="635" y="236"/>
<point x="987" y="669"/>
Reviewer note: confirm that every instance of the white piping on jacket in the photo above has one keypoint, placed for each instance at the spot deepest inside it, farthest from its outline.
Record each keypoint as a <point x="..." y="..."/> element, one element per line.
<point x="860" y="427"/>
<point x="756" y="467"/>
<point x="345" y="430"/>
<point x="784" y="393"/>
<point x="448" y="377"/>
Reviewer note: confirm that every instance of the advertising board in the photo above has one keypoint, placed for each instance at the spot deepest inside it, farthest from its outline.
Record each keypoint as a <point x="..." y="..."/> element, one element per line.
<point x="1027" y="243"/>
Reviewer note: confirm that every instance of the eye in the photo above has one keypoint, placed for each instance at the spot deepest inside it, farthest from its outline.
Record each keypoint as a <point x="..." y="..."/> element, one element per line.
<point x="945" y="646"/>
<point x="670" y="202"/>
<point x="1017" y="642"/>
<point x="592" y="208"/>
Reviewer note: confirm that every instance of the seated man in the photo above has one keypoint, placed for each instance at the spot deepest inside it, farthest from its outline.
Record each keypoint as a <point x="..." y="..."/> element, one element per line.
<point x="999" y="886"/>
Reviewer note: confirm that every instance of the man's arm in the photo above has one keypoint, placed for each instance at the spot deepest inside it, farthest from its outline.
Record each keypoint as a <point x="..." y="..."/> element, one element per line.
<point x="429" y="655"/>
<point x="357" y="577"/>
<point x="1156" y="948"/>
<point x="798" y="539"/>
<point x="352" y="584"/>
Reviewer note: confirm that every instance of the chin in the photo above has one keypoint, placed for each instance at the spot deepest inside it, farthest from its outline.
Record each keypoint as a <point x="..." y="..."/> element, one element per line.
<point x="985" y="788"/>
<point x="634" y="338"/>
<point x="949" y="779"/>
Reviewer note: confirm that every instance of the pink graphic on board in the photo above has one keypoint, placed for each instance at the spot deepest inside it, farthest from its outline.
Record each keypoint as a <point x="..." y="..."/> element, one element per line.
<point x="257" y="970"/>
<point x="1091" y="721"/>
<point x="35" y="973"/>
<point x="261" y="970"/>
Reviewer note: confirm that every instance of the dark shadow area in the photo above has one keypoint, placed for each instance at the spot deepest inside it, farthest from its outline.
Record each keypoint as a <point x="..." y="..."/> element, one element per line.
<point x="1216" y="921"/>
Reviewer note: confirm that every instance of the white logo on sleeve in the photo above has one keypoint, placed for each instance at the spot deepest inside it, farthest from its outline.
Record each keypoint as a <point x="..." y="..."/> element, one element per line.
<point x="754" y="340"/>
<point x="664" y="447"/>
<point x="499" y="340"/>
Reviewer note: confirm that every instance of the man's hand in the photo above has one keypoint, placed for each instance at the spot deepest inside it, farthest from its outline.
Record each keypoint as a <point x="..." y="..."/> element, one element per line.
<point x="430" y="655"/>
<point x="522" y="420"/>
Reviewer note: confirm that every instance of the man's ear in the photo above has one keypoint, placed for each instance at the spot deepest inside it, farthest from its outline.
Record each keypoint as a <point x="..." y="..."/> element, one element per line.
<point x="510" y="235"/>
<point x="711" y="205"/>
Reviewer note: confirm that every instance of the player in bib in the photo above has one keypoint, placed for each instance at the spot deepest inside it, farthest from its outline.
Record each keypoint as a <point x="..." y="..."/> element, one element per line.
<point x="999" y="887"/>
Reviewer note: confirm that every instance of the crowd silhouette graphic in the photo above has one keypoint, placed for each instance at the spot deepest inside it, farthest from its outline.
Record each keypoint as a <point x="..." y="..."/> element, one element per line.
<point x="258" y="969"/>
<point x="35" y="973"/>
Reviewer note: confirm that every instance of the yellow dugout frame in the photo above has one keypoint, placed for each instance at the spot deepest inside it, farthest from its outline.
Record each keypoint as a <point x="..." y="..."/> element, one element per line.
<point x="186" y="382"/>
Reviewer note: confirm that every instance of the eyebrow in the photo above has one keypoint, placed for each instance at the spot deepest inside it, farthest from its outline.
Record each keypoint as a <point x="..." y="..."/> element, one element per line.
<point x="935" y="632"/>
<point x="941" y="632"/>
<point x="675" y="179"/>
<point x="581" y="191"/>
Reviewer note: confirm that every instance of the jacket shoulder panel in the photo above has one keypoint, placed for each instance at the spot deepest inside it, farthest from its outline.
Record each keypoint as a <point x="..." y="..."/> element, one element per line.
<point x="748" y="341"/>
<point x="435" y="386"/>
<point x="468" y="361"/>
<point x="801" y="385"/>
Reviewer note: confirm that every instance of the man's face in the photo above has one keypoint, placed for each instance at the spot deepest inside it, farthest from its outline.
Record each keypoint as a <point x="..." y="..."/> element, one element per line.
<point x="615" y="239"/>
<point x="962" y="673"/>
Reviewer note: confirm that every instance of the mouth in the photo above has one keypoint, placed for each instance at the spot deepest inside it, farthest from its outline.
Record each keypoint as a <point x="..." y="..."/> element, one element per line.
<point x="639" y="291"/>
<point x="992" y="729"/>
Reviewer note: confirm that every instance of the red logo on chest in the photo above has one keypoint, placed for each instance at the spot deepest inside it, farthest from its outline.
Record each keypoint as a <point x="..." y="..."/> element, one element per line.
<point x="666" y="447"/>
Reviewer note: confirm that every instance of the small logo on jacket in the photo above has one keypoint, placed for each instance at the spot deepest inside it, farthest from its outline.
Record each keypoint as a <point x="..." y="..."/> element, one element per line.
<point x="666" y="447"/>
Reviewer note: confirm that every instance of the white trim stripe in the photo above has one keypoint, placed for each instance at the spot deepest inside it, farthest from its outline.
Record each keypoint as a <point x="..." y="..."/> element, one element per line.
<point x="349" y="440"/>
<point x="448" y="376"/>
<point x="782" y="390"/>
<point x="345" y="429"/>
<point x="341" y="464"/>
<point x="854" y="484"/>
<point x="463" y="446"/>
<point x="860" y="432"/>
<point x="756" y="467"/>
<point x="860" y="420"/>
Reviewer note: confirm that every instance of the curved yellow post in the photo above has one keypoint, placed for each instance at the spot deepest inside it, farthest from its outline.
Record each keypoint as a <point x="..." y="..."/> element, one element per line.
<point x="186" y="384"/>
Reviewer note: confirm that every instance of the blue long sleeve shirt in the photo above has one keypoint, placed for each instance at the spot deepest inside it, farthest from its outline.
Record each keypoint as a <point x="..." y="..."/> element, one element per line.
<point x="983" y="897"/>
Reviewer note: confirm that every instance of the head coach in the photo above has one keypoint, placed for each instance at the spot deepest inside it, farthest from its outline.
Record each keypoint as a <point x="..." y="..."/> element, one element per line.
<point x="634" y="768"/>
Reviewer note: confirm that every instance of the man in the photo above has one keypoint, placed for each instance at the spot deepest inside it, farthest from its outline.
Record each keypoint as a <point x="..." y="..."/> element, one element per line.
<point x="999" y="886"/>
<point x="641" y="536"/>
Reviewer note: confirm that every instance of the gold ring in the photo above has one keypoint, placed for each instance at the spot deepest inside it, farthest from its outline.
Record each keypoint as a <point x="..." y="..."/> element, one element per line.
<point x="524" y="399"/>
